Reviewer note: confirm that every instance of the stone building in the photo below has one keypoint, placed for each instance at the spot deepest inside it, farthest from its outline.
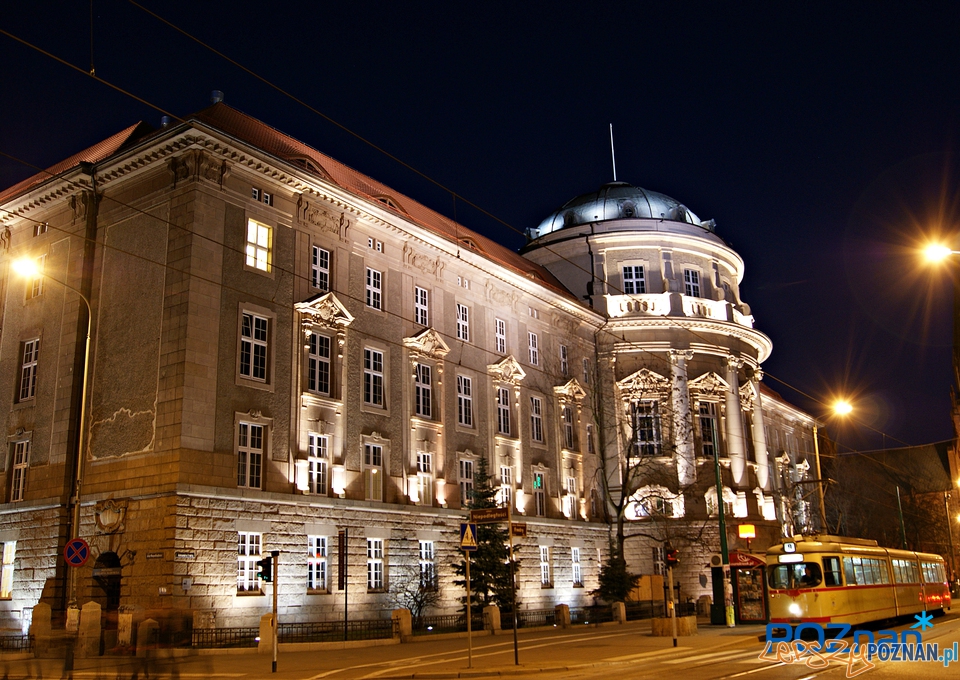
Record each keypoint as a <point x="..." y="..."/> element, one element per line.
<point x="282" y="349"/>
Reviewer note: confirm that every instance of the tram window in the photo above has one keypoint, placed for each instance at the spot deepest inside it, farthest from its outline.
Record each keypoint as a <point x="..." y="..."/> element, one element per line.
<point x="931" y="572"/>
<point x="831" y="571"/>
<point x="905" y="571"/>
<point x="861" y="571"/>
<point x="806" y="575"/>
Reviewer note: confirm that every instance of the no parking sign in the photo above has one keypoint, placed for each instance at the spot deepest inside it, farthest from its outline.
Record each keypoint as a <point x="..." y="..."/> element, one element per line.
<point x="76" y="552"/>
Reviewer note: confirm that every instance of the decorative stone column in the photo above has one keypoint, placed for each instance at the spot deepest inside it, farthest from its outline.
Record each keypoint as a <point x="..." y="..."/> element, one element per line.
<point x="760" y="435"/>
<point x="736" y="450"/>
<point x="682" y="418"/>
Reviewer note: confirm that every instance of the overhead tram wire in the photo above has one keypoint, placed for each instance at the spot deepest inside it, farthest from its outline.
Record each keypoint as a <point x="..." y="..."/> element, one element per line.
<point x="653" y="355"/>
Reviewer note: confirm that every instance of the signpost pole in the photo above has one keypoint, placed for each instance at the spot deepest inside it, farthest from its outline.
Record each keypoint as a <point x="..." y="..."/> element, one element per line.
<point x="673" y="606"/>
<point x="513" y="590"/>
<point x="466" y="556"/>
<point x="346" y="578"/>
<point x="276" y="586"/>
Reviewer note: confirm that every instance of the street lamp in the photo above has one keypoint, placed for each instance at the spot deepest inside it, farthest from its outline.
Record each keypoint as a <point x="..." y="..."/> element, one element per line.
<point x="28" y="268"/>
<point x="841" y="407"/>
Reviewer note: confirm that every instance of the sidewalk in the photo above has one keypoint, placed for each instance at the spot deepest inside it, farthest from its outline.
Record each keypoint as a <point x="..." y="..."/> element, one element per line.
<point x="540" y="650"/>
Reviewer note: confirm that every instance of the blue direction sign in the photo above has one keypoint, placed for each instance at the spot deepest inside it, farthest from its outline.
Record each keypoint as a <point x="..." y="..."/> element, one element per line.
<point x="468" y="536"/>
<point x="76" y="552"/>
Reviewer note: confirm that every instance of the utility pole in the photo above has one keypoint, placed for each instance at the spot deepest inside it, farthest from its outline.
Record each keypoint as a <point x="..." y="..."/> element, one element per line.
<point x="275" y="554"/>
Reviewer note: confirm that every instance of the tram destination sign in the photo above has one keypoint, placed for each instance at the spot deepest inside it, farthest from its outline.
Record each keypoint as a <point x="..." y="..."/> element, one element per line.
<point x="489" y="515"/>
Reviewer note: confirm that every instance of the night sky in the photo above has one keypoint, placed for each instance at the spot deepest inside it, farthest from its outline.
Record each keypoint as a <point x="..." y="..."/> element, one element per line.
<point x="822" y="138"/>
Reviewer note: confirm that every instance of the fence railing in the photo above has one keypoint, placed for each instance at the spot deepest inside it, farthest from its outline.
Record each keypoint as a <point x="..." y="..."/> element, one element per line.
<point x="332" y="631"/>
<point x="527" y="618"/>
<point x="216" y="638"/>
<point x="16" y="643"/>
<point x="584" y="615"/>
<point x="449" y="623"/>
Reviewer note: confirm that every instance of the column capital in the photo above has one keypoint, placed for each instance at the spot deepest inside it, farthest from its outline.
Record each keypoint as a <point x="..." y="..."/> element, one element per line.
<point x="733" y="362"/>
<point x="677" y="354"/>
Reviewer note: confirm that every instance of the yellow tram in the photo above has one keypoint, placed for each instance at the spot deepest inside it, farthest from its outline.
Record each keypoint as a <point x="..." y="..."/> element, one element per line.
<point x="832" y="579"/>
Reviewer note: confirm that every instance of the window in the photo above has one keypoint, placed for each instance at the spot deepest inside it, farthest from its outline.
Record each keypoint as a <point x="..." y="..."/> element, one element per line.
<point x="40" y="228"/>
<point x="35" y="284"/>
<point x="659" y="561"/>
<point x="373" y="377"/>
<point x="6" y="575"/>
<point x="423" y="391"/>
<point x="566" y="416"/>
<point x="536" y="419"/>
<point x="463" y="283"/>
<point x="831" y="571"/>
<point x="564" y="367"/>
<point x="464" y="401"/>
<point x="646" y="427"/>
<point x="318" y="364"/>
<point x="708" y="428"/>
<point x="261" y="196"/>
<point x="535" y="313"/>
<point x="374" y="564"/>
<point x="590" y="448"/>
<point x="500" y="335"/>
<point x="503" y="410"/>
<point x="320" y="268"/>
<point x="466" y="481"/>
<point x="258" y="245"/>
<point x="375" y="244"/>
<point x="691" y="282"/>
<point x="570" y="497"/>
<point x="28" y="369"/>
<point x="20" y="461"/>
<point x="586" y="371"/>
<point x="421" y="306"/>
<point x="316" y="562"/>
<point x="373" y="472"/>
<point x="506" y="486"/>
<point x="546" y="577"/>
<point x="533" y="344"/>
<point x="248" y="553"/>
<point x="317" y="463"/>
<point x="250" y="455"/>
<point x="253" y="347"/>
<point x="374" y="289"/>
<point x="539" y="495"/>
<point x="633" y="281"/>
<point x="860" y="571"/>
<point x="575" y="567"/>
<point x="425" y="477"/>
<point x="428" y="567"/>
<point x="463" y="323"/>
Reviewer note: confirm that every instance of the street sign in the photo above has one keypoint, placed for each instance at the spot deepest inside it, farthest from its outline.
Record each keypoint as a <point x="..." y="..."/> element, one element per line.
<point x="76" y="552"/>
<point x="489" y="515"/>
<point x="518" y="529"/>
<point x="468" y="536"/>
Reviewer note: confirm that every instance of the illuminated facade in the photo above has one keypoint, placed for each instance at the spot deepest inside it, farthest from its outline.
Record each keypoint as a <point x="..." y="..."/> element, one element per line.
<point x="283" y="348"/>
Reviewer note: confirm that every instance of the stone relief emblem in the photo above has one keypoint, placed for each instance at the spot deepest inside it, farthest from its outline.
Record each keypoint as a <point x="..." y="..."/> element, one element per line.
<point x="110" y="515"/>
<point x="424" y="263"/>
<point x="565" y="323"/>
<point x="709" y="384"/>
<point x="508" y="370"/>
<point x="499" y="296"/>
<point x="323" y="217"/>
<point x="644" y="384"/>
<point x="427" y="342"/>
<point x="325" y="310"/>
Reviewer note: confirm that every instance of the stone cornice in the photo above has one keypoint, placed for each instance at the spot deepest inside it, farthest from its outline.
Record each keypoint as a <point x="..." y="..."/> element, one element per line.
<point x="760" y="342"/>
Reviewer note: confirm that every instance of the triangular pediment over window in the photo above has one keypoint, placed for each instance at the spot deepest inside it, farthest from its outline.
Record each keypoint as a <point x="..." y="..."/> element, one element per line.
<point x="324" y="310"/>
<point x="507" y="370"/>
<point x="709" y="384"/>
<point x="644" y="384"/>
<point x="427" y="342"/>
<point x="571" y="391"/>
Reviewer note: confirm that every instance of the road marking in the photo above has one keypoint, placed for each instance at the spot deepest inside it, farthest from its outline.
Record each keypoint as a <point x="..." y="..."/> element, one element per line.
<point x="646" y="655"/>
<point x="717" y="656"/>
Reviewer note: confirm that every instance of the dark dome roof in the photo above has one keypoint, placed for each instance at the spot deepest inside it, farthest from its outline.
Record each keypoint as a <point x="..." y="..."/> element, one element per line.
<point x="618" y="201"/>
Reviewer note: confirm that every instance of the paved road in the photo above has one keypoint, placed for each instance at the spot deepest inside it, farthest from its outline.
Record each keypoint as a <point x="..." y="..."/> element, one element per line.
<point x="576" y="653"/>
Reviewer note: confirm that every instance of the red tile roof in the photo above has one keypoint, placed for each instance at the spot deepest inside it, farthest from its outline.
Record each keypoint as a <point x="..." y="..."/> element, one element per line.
<point x="94" y="154"/>
<point x="280" y="145"/>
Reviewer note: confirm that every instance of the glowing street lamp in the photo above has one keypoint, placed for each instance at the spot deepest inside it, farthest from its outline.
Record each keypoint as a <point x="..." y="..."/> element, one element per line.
<point x="841" y="407"/>
<point x="27" y="267"/>
<point x="748" y="532"/>
<point x="937" y="252"/>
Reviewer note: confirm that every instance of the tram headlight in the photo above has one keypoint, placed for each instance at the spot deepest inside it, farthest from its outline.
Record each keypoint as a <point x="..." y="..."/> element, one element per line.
<point x="795" y="609"/>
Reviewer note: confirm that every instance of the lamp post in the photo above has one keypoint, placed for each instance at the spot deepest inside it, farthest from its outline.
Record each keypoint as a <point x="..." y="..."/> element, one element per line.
<point x="841" y="407"/>
<point x="28" y="268"/>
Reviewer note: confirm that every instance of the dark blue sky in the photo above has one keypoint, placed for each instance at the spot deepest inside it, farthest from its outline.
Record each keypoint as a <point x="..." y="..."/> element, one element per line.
<point x="820" y="136"/>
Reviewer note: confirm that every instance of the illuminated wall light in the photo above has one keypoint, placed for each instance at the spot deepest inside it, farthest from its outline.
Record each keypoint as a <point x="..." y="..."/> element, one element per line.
<point x="441" y="492"/>
<point x="747" y="531"/>
<point x="413" y="488"/>
<point x="521" y="501"/>
<point x="339" y="480"/>
<point x="300" y="473"/>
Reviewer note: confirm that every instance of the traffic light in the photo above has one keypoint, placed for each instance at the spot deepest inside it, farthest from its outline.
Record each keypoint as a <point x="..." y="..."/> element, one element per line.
<point x="673" y="557"/>
<point x="265" y="567"/>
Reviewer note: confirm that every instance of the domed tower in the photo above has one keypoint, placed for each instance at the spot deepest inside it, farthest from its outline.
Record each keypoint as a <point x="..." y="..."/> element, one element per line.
<point x="678" y="357"/>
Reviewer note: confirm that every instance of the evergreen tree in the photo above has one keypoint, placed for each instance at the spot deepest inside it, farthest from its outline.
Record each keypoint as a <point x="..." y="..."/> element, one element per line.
<point x="490" y="562"/>
<point x="616" y="583"/>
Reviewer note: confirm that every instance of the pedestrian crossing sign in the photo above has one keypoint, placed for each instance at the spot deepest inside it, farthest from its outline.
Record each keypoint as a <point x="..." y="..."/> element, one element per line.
<point x="468" y="536"/>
